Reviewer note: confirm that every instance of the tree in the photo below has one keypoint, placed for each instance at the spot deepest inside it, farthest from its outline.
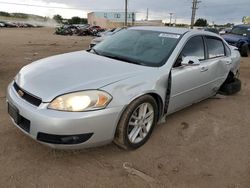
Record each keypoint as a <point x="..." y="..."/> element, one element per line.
<point x="75" y="20"/>
<point x="201" y="22"/>
<point x="229" y="24"/>
<point x="6" y="14"/>
<point x="58" y="18"/>
<point x="78" y="20"/>
<point x="20" y="15"/>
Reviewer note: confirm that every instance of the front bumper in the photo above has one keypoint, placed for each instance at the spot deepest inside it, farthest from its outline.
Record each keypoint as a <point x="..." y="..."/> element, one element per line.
<point x="96" y="127"/>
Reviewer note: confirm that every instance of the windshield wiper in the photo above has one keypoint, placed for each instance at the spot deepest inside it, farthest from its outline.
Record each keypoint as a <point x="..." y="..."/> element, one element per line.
<point x="128" y="60"/>
<point x="95" y="51"/>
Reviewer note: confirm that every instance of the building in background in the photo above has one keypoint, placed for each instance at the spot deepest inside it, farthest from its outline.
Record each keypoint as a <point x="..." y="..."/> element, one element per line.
<point x="110" y="19"/>
<point x="117" y="19"/>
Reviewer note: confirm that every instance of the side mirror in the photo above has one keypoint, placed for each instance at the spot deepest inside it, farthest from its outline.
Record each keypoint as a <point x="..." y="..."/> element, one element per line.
<point x="190" y="61"/>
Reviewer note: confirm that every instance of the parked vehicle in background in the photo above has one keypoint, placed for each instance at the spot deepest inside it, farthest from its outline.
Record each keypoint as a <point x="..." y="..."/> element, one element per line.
<point x="16" y="24"/>
<point x="213" y="30"/>
<point x="103" y="36"/>
<point x="68" y="30"/>
<point x="209" y="29"/>
<point x="108" y="32"/>
<point x="65" y="30"/>
<point x="239" y="37"/>
<point x="8" y="24"/>
<point x="96" y="28"/>
<point x="90" y="30"/>
<point x="93" y="30"/>
<point x="225" y="31"/>
<point x="82" y="29"/>
<point x="120" y="89"/>
<point x="25" y="25"/>
<point x="78" y="29"/>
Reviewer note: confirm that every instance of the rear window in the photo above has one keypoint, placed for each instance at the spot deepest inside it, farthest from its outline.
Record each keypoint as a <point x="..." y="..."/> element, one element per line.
<point x="215" y="47"/>
<point x="241" y="31"/>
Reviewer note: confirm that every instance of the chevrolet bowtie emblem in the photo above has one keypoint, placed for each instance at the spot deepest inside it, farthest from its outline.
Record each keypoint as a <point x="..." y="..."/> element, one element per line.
<point x="20" y="93"/>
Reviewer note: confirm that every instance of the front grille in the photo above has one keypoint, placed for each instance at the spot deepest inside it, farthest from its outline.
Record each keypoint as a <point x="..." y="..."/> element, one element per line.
<point x="26" y="96"/>
<point x="21" y="121"/>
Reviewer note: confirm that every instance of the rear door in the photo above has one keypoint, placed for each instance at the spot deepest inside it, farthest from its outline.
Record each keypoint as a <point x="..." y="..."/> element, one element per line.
<point x="220" y="60"/>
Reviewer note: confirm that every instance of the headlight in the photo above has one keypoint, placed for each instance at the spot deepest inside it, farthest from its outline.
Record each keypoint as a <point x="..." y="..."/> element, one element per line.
<point x="81" y="101"/>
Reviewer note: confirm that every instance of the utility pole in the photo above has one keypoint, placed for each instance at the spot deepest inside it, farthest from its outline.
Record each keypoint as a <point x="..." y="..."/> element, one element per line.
<point x="194" y="8"/>
<point x="171" y="15"/>
<point x="133" y="19"/>
<point x="126" y="13"/>
<point x="147" y="15"/>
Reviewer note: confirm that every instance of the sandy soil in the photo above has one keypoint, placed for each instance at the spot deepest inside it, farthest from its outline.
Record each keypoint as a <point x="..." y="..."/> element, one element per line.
<point x="206" y="145"/>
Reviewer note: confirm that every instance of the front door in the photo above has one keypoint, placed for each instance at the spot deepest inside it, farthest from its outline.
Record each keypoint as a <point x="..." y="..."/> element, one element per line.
<point x="191" y="84"/>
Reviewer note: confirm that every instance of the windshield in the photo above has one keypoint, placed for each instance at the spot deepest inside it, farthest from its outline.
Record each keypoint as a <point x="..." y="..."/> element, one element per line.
<point x="241" y="31"/>
<point x="149" y="48"/>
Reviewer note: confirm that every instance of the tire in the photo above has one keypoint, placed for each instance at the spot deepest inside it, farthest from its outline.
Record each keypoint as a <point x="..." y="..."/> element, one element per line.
<point x="231" y="88"/>
<point x="132" y="121"/>
<point x="244" y="51"/>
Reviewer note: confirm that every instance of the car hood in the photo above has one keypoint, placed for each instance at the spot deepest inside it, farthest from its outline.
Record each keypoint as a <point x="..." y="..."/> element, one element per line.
<point x="57" y="75"/>
<point x="233" y="38"/>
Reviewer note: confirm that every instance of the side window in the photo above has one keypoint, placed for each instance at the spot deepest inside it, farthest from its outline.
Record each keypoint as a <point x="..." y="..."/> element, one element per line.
<point x="194" y="47"/>
<point x="215" y="47"/>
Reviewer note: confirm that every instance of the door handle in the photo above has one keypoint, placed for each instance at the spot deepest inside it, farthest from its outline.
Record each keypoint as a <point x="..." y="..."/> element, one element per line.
<point x="228" y="62"/>
<point x="204" y="69"/>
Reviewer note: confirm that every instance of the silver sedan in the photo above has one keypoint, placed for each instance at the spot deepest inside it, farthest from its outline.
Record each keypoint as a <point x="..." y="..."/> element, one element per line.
<point x="122" y="88"/>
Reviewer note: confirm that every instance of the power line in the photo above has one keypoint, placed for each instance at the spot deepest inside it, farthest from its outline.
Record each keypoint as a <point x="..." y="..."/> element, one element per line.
<point x="40" y="6"/>
<point x="205" y="5"/>
<point x="56" y="7"/>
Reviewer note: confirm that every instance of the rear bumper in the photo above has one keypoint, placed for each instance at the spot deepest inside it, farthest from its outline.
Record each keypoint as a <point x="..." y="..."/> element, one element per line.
<point x="93" y="128"/>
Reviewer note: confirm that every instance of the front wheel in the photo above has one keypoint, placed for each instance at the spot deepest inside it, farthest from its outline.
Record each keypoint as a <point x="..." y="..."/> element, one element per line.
<point x="137" y="123"/>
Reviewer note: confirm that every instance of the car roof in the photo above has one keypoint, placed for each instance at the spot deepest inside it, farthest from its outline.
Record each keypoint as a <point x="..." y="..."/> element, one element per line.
<point x="175" y="30"/>
<point x="243" y="25"/>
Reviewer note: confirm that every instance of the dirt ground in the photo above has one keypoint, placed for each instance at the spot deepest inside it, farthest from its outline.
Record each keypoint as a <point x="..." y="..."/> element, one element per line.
<point x="204" y="146"/>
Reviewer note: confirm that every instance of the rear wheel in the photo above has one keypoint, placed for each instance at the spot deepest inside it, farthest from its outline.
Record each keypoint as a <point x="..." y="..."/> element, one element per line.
<point x="244" y="51"/>
<point x="231" y="86"/>
<point x="137" y="123"/>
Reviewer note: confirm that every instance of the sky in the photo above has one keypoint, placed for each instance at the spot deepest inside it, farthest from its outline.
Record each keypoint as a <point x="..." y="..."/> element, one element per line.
<point x="217" y="11"/>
